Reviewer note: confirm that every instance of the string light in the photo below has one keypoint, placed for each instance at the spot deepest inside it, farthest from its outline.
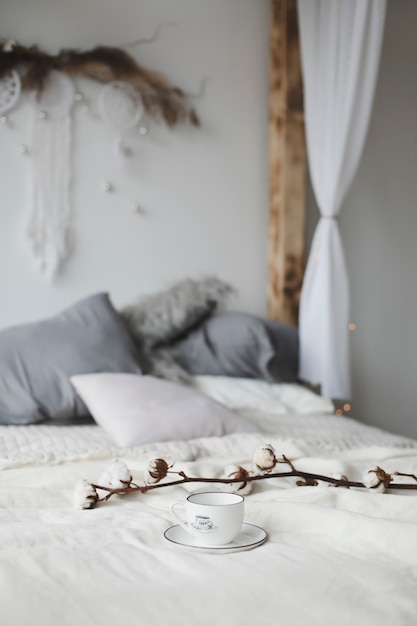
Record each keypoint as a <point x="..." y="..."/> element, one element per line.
<point x="352" y="326"/>
<point x="346" y="408"/>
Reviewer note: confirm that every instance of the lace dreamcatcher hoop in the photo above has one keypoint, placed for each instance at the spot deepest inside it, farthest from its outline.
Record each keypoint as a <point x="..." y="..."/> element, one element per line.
<point x="10" y="87"/>
<point x="121" y="107"/>
<point x="49" y="220"/>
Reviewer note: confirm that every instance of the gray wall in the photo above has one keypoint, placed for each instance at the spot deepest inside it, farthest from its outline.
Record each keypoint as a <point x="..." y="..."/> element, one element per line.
<point x="379" y="229"/>
<point x="204" y="191"/>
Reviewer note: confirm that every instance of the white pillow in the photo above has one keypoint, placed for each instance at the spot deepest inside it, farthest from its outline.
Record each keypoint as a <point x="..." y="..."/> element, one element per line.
<point x="135" y="409"/>
<point x="251" y="394"/>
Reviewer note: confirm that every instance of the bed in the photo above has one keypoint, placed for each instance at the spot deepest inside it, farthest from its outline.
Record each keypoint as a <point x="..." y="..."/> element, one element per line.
<point x="332" y="555"/>
<point x="176" y="377"/>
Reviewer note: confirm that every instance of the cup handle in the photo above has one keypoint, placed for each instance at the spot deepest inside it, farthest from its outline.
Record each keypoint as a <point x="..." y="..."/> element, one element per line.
<point x="173" y="506"/>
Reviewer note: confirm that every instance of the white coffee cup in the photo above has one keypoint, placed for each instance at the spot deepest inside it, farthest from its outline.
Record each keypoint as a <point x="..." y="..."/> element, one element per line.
<point x="213" y="518"/>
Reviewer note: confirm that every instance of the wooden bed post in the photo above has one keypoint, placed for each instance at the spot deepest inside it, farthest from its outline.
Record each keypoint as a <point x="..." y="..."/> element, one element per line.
<point x="287" y="165"/>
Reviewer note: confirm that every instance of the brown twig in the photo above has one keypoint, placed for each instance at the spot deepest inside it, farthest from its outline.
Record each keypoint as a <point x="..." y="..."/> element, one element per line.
<point x="403" y="474"/>
<point x="308" y="479"/>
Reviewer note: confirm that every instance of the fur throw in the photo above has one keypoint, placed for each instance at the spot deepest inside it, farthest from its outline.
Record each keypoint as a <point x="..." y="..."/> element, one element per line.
<point x="158" y="320"/>
<point x="161" y="318"/>
<point x="162" y="364"/>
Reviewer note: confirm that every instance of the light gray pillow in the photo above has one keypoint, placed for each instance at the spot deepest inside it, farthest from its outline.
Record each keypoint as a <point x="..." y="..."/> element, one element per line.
<point x="241" y="345"/>
<point x="37" y="359"/>
<point x="135" y="410"/>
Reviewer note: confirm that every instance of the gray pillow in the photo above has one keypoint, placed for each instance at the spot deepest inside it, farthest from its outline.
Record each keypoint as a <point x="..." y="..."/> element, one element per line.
<point x="37" y="359"/>
<point x="240" y="345"/>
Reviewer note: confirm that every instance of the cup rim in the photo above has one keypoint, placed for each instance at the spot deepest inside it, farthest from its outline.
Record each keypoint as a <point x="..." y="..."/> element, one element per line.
<point x="221" y="493"/>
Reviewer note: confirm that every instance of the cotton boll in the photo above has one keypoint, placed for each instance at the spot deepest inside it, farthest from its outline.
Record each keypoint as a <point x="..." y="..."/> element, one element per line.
<point x="121" y="471"/>
<point x="157" y="470"/>
<point x="85" y="495"/>
<point x="264" y="460"/>
<point x="236" y="471"/>
<point x="116" y="476"/>
<point x="372" y="481"/>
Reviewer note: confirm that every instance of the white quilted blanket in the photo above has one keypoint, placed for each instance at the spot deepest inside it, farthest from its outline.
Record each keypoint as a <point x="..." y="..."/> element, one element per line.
<point x="333" y="556"/>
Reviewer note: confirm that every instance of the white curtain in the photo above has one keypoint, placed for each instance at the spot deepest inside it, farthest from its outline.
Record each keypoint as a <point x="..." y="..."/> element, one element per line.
<point x="340" y="51"/>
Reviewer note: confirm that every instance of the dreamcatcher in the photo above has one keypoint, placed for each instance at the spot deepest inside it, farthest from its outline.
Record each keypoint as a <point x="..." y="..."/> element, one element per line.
<point x="10" y="87"/>
<point x="49" y="219"/>
<point x="47" y="78"/>
<point x="121" y="107"/>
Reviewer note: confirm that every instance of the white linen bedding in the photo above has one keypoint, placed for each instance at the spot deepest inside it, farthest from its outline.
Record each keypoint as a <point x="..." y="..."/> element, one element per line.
<point x="333" y="556"/>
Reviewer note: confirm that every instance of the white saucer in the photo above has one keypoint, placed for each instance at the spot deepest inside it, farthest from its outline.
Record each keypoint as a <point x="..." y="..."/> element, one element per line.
<point x="250" y="537"/>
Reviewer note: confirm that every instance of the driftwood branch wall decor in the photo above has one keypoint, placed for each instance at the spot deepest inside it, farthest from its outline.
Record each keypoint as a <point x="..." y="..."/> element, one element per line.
<point x="104" y="64"/>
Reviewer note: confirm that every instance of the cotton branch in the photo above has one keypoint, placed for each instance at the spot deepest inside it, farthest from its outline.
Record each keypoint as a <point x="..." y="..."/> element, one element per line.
<point x="121" y="482"/>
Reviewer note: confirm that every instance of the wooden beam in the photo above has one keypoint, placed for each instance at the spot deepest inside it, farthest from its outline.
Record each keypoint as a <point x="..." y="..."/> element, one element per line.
<point x="287" y="165"/>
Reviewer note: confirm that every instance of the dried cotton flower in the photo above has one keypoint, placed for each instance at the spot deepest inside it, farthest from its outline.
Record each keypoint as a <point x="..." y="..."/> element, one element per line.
<point x="157" y="470"/>
<point x="85" y="495"/>
<point x="236" y="471"/>
<point x="377" y="480"/>
<point x="264" y="460"/>
<point x="116" y="476"/>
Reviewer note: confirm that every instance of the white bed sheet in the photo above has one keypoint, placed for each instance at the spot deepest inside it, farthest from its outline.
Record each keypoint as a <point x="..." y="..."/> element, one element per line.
<point x="333" y="556"/>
